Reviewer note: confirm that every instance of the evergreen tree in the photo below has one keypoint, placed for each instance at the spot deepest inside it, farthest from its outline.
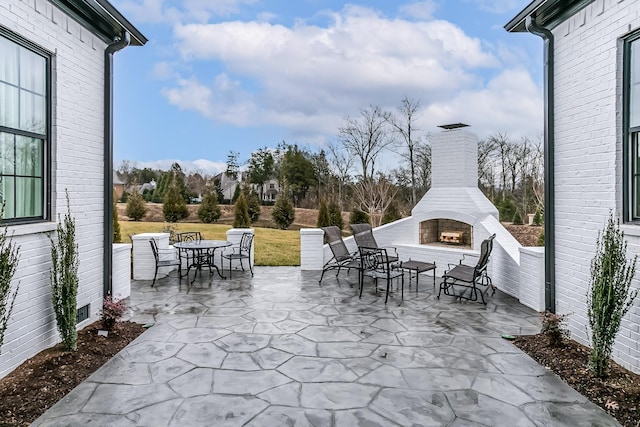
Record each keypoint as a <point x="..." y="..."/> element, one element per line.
<point x="136" y="206"/>
<point x="358" y="217"/>
<point x="390" y="214"/>
<point x="117" y="237"/>
<point x="324" y="219"/>
<point x="209" y="211"/>
<point x="253" y="203"/>
<point x="218" y="190"/>
<point x="241" y="213"/>
<point x="236" y="194"/>
<point x="537" y="218"/>
<point x="517" y="218"/>
<point x="283" y="213"/>
<point x="335" y="215"/>
<point x="174" y="207"/>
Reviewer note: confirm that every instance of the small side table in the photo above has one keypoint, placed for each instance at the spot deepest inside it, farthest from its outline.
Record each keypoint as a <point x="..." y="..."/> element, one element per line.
<point x="419" y="267"/>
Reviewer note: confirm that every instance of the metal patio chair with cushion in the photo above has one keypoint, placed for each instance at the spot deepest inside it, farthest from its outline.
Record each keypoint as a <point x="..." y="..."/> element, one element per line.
<point x="164" y="258"/>
<point x="470" y="276"/>
<point x="342" y="258"/>
<point x="377" y="264"/>
<point x="240" y="252"/>
<point x="363" y="235"/>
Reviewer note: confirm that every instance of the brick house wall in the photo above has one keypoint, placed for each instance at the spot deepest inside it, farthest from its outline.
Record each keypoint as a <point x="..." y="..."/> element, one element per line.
<point x="588" y="162"/>
<point x="77" y="165"/>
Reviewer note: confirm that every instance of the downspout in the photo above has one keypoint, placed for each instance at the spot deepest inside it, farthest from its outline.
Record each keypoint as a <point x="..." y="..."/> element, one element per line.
<point x="549" y="143"/>
<point x="118" y="44"/>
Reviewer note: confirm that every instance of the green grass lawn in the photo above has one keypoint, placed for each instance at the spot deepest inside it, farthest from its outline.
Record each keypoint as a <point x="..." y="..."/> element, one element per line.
<point x="272" y="247"/>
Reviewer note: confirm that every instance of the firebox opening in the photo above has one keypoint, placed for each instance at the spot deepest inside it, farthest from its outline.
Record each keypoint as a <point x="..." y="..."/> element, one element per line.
<point x="448" y="232"/>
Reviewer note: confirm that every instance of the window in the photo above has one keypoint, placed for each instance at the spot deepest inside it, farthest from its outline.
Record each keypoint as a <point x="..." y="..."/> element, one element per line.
<point x="24" y="129"/>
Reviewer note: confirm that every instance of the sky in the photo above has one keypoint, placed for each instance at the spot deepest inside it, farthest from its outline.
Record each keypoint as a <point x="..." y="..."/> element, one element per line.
<point x="238" y="75"/>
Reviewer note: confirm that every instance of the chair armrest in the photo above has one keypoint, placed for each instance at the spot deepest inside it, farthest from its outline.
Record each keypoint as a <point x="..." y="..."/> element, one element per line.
<point x="468" y="255"/>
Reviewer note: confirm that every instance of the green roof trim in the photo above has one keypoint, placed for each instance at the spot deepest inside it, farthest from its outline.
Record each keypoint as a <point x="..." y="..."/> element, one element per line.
<point x="102" y="19"/>
<point x="548" y="13"/>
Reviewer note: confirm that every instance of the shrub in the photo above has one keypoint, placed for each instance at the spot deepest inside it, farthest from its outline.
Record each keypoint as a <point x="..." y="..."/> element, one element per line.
<point x="236" y="194"/>
<point x="209" y="211"/>
<point x="553" y="326"/>
<point x="174" y="207"/>
<point x="172" y="229"/>
<point x="253" y="205"/>
<point x="506" y="208"/>
<point x="124" y="198"/>
<point x="9" y="258"/>
<point x="241" y="213"/>
<point x="324" y="219"/>
<point x="537" y="218"/>
<point x="540" y="241"/>
<point x="136" y="206"/>
<point x="283" y="213"/>
<point x="64" y="280"/>
<point x="517" y="218"/>
<point x="390" y="214"/>
<point x="117" y="237"/>
<point x="112" y="312"/>
<point x="609" y="296"/>
<point x="335" y="215"/>
<point x="358" y="217"/>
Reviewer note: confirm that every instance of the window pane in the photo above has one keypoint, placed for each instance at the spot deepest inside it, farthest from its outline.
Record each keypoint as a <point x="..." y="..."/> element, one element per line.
<point x="6" y="154"/>
<point x="32" y="71"/>
<point x="7" y="196"/>
<point x="9" y="63"/>
<point x="634" y="77"/>
<point x="8" y="105"/>
<point x="32" y="112"/>
<point x="28" y="156"/>
<point x="28" y="197"/>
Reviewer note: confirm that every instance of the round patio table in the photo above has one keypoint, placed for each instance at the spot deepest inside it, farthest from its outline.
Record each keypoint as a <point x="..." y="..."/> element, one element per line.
<point x="203" y="252"/>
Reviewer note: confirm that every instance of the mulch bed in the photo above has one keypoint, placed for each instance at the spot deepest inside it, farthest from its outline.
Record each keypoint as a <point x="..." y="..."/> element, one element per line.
<point x="33" y="387"/>
<point x="618" y="394"/>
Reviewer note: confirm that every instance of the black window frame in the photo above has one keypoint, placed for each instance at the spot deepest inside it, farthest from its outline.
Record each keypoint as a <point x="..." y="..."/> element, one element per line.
<point x="46" y="138"/>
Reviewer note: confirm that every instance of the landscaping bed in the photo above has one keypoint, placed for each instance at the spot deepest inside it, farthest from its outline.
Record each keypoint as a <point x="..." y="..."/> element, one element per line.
<point x="37" y="384"/>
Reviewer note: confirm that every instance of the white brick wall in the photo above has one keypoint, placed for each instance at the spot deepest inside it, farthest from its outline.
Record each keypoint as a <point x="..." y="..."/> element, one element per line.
<point x="121" y="281"/>
<point x="532" y="278"/>
<point x="588" y="166"/>
<point x="311" y="249"/>
<point x="77" y="164"/>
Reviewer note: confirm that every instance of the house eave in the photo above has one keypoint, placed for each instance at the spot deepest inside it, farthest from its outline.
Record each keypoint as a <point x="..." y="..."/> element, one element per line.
<point x="102" y="19"/>
<point x="548" y="13"/>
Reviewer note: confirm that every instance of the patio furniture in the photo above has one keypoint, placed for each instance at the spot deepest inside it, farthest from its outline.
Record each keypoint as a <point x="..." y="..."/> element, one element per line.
<point x="377" y="264"/>
<point x="164" y="261"/>
<point x="342" y="258"/>
<point x="363" y="235"/>
<point x="240" y="252"/>
<point x="419" y="267"/>
<point x="191" y="236"/>
<point x="202" y="254"/>
<point x="469" y="276"/>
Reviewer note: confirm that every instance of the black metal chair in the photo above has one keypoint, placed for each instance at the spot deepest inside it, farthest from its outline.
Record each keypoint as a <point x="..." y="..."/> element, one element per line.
<point x="377" y="264"/>
<point x="469" y="276"/>
<point x="363" y="235"/>
<point x="342" y="258"/>
<point x="240" y="252"/>
<point x="162" y="261"/>
<point x="201" y="257"/>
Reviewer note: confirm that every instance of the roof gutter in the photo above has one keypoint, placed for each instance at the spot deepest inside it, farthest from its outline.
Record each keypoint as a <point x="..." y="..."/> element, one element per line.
<point x="119" y="44"/>
<point x="549" y="156"/>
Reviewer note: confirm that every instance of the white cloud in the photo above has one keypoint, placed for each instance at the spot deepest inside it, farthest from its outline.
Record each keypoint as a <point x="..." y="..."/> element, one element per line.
<point x="202" y="166"/>
<point x="422" y="10"/>
<point x="497" y="6"/>
<point x="180" y="10"/>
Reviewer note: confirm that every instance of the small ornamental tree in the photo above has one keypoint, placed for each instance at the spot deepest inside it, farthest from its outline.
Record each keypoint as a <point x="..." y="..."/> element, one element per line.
<point x="136" y="206"/>
<point x="174" y="207"/>
<point x="324" y="219"/>
<point x="9" y="257"/>
<point x="117" y="237"/>
<point x="358" y="217"/>
<point x="283" y="213"/>
<point x="610" y="295"/>
<point x="253" y="204"/>
<point x="517" y="218"/>
<point x="335" y="215"/>
<point x="241" y="213"/>
<point x="112" y="312"/>
<point x="64" y="280"/>
<point x="537" y="218"/>
<point x="209" y="211"/>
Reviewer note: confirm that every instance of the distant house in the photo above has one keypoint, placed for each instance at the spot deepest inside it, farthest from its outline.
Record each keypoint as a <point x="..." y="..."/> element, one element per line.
<point x="56" y="128"/>
<point x="592" y="146"/>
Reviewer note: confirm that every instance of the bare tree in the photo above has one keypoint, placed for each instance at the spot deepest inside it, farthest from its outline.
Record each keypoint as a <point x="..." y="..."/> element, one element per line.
<point x="341" y="164"/>
<point x="502" y="146"/>
<point x="366" y="137"/>
<point x="404" y="125"/>
<point x="486" y="166"/>
<point x="374" y="195"/>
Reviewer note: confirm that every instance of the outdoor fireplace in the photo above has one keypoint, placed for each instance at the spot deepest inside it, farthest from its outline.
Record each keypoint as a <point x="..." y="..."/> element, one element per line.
<point x="447" y="232"/>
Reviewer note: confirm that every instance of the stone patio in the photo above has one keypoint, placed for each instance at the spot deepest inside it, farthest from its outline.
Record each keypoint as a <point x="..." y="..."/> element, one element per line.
<point x="279" y="350"/>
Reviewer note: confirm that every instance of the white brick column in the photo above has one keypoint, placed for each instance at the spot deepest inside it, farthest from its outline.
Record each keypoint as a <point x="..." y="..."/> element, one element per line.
<point x="144" y="264"/>
<point x="531" y="292"/>
<point x="311" y="249"/>
<point x="234" y="236"/>
<point x="121" y="270"/>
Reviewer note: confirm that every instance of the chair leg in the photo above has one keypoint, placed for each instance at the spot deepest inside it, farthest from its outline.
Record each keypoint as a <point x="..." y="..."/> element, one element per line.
<point x="154" y="276"/>
<point x="230" y="268"/>
<point x="250" y="267"/>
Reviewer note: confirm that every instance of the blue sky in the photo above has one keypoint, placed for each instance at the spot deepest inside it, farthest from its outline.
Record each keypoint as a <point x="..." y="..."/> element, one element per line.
<point x="221" y="75"/>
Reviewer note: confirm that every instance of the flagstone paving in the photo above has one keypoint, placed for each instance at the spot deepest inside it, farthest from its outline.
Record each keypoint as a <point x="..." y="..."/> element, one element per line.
<point x="280" y="350"/>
